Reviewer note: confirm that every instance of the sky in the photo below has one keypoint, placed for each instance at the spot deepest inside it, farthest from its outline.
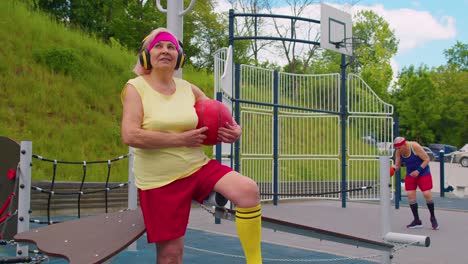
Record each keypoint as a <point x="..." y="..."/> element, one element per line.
<point x="425" y="28"/>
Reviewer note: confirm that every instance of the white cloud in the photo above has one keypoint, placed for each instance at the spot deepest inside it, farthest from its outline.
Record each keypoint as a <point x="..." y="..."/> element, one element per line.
<point x="221" y="6"/>
<point x="414" y="28"/>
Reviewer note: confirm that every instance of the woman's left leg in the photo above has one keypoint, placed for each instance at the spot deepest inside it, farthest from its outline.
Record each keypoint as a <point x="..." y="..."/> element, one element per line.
<point x="244" y="193"/>
<point x="170" y="252"/>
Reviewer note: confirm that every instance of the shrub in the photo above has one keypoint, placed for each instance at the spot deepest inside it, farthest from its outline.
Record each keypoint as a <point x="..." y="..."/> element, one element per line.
<point x="61" y="60"/>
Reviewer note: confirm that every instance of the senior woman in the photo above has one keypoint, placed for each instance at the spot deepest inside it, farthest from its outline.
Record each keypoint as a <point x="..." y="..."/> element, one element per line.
<point x="159" y="122"/>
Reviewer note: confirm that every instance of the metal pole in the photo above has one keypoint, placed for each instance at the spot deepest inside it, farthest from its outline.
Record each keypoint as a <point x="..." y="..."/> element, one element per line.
<point x="132" y="192"/>
<point x="24" y="194"/>
<point x="275" y="138"/>
<point x="398" y="173"/>
<point x="237" y="114"/>
<point x="175" y="23"/>
<point x="218" y="150"/>
<point x="442" y="172"/>
<point x="343" y="130"/>
<point x="175" y="19"/>
<point x="385" y="202"/>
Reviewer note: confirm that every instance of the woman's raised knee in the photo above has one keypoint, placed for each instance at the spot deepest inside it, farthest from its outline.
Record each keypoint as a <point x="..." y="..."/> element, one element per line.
<point x="249" y="194"/>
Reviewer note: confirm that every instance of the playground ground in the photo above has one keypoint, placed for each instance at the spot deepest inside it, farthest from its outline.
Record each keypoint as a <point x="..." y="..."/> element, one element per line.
<point x="207" y="242"/>
<point x="362" y="219"/>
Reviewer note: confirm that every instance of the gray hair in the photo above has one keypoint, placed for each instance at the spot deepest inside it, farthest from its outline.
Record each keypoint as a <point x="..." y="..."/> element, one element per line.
<point x="398" y="140"/>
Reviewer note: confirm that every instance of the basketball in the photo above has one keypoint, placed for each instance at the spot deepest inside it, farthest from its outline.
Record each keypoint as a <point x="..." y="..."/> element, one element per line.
<point x="392" y="171"/>
<point x="212" y="114"/>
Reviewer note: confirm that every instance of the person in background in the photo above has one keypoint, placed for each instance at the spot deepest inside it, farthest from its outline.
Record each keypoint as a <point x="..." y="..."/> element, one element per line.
<point x="418" y="175"/>
<point x="159" y="122"/>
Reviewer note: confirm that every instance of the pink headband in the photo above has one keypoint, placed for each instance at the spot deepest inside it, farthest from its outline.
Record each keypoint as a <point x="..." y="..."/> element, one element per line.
<point x="399" y="144"/>
<point x="164" y="36"/>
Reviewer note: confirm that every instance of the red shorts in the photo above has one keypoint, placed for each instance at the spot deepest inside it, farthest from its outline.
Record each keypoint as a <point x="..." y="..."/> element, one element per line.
<point x="166" y="209"/>
<point x="423" y="182"/>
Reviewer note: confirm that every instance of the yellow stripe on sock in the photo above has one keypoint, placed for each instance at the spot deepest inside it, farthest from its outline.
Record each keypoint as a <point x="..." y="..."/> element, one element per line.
<point x="250" y="213"/>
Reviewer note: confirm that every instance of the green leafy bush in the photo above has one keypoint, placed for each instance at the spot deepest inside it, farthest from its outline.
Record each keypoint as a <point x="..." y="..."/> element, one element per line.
<point x="60" y="60"/>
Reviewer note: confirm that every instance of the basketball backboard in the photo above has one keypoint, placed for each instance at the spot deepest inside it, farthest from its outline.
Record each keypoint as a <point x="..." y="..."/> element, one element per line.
<point x="336" y="30"/>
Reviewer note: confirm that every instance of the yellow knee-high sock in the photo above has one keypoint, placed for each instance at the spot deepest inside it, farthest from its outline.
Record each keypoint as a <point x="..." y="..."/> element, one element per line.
<point x="249" y="229"/>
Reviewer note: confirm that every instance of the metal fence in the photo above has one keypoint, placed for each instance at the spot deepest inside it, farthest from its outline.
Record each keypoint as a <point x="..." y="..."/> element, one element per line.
<point x="291" y="141"/>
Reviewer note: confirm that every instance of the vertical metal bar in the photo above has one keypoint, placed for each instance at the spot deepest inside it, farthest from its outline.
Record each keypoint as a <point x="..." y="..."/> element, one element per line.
<point x="24" y="194"/>
<point x="237" y="115"/>
<point x="231" y="29"/>
<point x="442" y="172"/>
<point x="275" y="138"/>
<point x="398" y="173"/>
<point x="219" y="97"/>
<point x="343" y="130"/>
<point x="132" y="189"/>
<point x="132" y="192"/>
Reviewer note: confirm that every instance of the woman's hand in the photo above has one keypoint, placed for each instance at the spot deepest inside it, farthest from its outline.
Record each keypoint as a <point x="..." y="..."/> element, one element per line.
<point x="193" y="138"/>
<point x="229" y="133"/>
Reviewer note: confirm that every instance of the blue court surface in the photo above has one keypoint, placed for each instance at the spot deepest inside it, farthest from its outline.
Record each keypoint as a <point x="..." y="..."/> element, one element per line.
<point x="206" y="247"/>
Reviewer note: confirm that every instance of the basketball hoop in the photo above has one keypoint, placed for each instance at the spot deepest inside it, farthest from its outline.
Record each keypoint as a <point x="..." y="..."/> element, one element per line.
<point x="352" y="42"/>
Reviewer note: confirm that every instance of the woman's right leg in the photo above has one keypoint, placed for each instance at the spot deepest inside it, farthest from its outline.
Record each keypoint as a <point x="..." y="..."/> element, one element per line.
<point x="170" y="252"/>
<point x="166" y="211"/>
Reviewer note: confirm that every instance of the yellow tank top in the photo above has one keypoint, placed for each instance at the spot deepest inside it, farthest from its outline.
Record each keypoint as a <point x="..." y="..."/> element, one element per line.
<point x="174" y="113"/>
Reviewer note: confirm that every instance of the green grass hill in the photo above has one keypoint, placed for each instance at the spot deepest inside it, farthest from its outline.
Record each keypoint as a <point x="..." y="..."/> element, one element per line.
<point x="60" y="88"/>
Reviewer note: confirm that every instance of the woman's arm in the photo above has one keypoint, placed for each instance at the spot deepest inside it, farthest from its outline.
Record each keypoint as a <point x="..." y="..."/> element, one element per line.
<point x="397" y="160"/>
<point x="199" y="94"/>
<point x="419" y="151"/>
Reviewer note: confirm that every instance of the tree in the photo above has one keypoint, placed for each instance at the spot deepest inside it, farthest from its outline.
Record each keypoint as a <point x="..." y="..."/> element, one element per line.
<point x="451" y="83"/>
<point x="135" y="22"/>
<point x="458" y="55"/>
<point x="204" y="30"/>
<point x="289" y="49"/>
<point x="433" y="104"/>
<point x="59" y="9"/>
<point x="128" y="22"/>
<point x="417" y="102"/>
<point x="373" y="58"/>
<point x="204" y="33"/>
